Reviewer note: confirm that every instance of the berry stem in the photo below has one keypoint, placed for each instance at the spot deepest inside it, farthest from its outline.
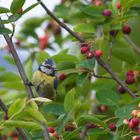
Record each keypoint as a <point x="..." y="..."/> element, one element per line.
<point x="133" y="45"/>
<point x="110" y="53"/>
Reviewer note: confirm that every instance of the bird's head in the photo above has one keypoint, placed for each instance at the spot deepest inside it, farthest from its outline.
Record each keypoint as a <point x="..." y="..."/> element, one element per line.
<point x="48" y="67"/>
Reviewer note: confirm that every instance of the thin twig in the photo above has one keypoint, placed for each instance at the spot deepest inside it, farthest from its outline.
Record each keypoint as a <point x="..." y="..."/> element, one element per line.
<point x="99" y="76"/>
<point x="81" y="40"/>
<point x="18" y="63"/>
<point x="110" y="53"/>
<point x="133" y="45"/>
<point x="20" y="131"/>
<point x="45" y="131"/>
<point x="60" y="23"/>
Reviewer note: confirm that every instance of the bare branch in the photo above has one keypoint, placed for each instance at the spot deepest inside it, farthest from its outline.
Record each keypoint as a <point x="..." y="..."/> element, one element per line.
<point x="18" y="64"/>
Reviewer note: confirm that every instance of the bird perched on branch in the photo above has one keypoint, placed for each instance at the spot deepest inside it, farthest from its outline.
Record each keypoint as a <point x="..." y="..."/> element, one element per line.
<point x="45" y="80"/>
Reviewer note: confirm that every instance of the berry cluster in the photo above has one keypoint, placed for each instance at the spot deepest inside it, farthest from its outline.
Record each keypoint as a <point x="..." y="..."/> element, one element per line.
<point x="134" y="123"/>
<point x="130" y="79"/>
<point x="85" y="49"/>
<point x="53" y="132"/>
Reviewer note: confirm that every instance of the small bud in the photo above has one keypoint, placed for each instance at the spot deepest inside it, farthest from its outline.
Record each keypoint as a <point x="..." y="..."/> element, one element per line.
<point x="90" y="126"/>
<point x="135" y="113"/>
<point x="112" y="126"/>
<point x="51" y="130"/>
<point x="125" y="121"/>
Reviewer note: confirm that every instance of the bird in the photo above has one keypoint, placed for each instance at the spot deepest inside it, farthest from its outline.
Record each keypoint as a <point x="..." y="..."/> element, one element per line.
<point x="45" y="79"/>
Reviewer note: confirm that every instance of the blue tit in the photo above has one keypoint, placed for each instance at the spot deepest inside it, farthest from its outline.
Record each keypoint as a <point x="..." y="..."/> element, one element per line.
<point x="45" y="80"/>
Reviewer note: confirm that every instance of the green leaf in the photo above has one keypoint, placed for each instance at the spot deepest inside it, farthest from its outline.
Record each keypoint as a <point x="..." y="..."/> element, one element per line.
<point x="9" y="59"/>
<point x="96" y="131"/>
<point x="22" y="124"/>
<point x="88" y="64"/>
<point x="4" y="10"/>
<point x="16" y="5"/>
<point x="40" y="99"/>
<point x="54" y="108"/>
<point x="108" y="97"/>
<point x="35" y="114"/>
<point x="30" y="8"/>
<point x="82" y="78"/>
<point x="123" y="113"/>
<point x="72" y="134"/>
<point x="65" y="65"/>
<point x="29" y="68"/>
<point x="9" y="77"/>
<point x="69" y="101"/>
<point x="41" y="56"/>
<point x="94" y="11"/>
<point x="14" y="17"/>
<point x="85" y="28"/>
<point x="68" y="81"/>
<point x="5" y="31"/>
<point x="16" y="107"/>
<point x="66" y="57"/>
<point x="90" y="118"/>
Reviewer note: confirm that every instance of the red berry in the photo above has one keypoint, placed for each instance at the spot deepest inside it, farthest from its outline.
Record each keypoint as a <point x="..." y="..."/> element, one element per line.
<point x="90" y="125"/>
<point x="135" y="121"/>
<point x="118" y="5"/>
<point x="90" y="54"/>
<point x="55" y="135"/>
<point x="103" y="108"/>
<point x="113" y="33"/>
<point x="51" y="130"/>
<point x="138" y="131"/>
<point x="84" y="49"/>
<point x="112" y="126"/>
<point x="62" y="76"/>
<point x="84" y="45"/>
<point x="98" y="3"/>
<point x="130" y="80"/>
<point x="136" y="138"/>
<point x="126" y="29"/>
<point x="69" y="127"/>
<point x="43" y="42"/>
<point x="57" y="31"/>
<point x="130" y="73"/>
<point x="121" y="90"/>
<point x="131" y="125"/>
<point x="107" y="13"/>
<point x="98" y="53"/>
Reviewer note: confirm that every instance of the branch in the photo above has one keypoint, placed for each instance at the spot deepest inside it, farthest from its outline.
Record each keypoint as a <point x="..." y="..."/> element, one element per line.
<point x="45" y="132"/>
<point x="18" y="63"/>
<point x="133" y="45"/>
<point x="20" y="131"/>
<point x="81" y="40"/>
<point x="115" y="77"/>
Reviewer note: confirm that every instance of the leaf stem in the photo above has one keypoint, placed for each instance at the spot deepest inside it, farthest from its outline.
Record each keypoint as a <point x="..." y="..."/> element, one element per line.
<point x="133" y="45"/>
